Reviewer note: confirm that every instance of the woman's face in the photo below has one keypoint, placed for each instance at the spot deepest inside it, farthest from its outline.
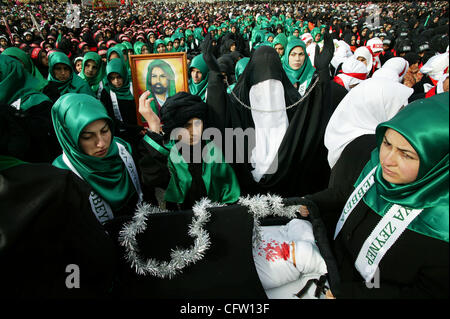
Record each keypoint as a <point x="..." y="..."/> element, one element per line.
<point x="44" y="58"/>
<point x="296" y="33"/>
<point x="280" y="49"/>
<point x="113" y="55"/>
<point x="79" y="66"/>
<point x="90" y="68"/>
<point x="362" y="59"/>
<point x="161" y="48"/>
<point x="192" y="133"/>
<point x="115" y="79"/>
<point x="296" y="58"/>
<point x="144" y="49"/>
<point x="399" y="160"/>
<point x="61" y="72"/>
<point x="95" y="138"/>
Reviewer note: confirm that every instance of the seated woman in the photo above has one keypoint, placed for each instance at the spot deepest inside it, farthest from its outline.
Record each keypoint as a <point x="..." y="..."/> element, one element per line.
<point x="177" y="164"/>
<point x="91" y="151"/>
<point x="394" y="242"/>
<point x="117" y="97"/>
<point x="61" y="78"/>
<point x="93" y="72"/>
<point x="297" y="65"/>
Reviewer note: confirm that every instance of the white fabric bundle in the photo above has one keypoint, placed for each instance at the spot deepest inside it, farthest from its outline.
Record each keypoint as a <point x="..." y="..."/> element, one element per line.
<point x="280" y="246"/>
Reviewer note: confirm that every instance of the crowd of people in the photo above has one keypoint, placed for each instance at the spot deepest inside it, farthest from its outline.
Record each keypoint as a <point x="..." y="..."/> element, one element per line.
<point x="343" y="102"/>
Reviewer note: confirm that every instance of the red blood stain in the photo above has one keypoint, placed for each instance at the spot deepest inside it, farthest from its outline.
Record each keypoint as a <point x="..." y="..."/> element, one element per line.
<point x="276" y="251"/>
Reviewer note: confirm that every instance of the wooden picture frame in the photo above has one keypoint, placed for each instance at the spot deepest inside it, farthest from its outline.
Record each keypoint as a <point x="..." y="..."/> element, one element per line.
<point x="172" y="66"/>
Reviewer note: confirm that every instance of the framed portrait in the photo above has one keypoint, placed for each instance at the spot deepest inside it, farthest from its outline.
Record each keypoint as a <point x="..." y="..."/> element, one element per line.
<point x="163" y="74"/>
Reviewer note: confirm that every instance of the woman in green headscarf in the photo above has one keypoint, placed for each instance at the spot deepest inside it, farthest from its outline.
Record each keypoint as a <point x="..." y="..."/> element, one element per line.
<point x="297" y="65"/>
<point x="93" y="72"/>
<point x="28" y="64"/>
<point x="198" y="72"/>
<point x="140" y="48"/>
<point x="187" y="167"/>
<point x="61" y="78"/>
<point x="91" y="151"/>
<point x="394" y="227"/>
<point x="280" y="43"/>
<point x="117" y="52"/>
<point x="159" y="46"/>
<point x="118" y="99"/>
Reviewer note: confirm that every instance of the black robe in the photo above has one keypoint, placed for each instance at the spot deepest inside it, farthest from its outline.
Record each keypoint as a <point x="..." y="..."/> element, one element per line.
<point x="302" y="165"/>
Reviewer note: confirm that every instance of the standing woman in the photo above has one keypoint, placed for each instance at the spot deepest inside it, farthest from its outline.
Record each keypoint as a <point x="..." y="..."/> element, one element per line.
<point x="61" y="78"/>
<point x="117" y="97"/>
<point x="90" y="150"/>
<point x="297" y="65"/>
<point x="93" y="72"/>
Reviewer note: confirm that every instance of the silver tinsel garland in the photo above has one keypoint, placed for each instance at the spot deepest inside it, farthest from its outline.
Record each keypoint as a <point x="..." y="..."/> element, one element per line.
<point x="259" y="206"/>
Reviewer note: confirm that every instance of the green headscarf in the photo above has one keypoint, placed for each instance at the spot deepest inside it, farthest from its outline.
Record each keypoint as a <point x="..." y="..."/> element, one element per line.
<point x="424" y="123"/>
<point x="166" y="42"/>
<point x="199" y="89"/>
<point x="8" y="162"/>
<point x="138" y="47"/>
<point x="305" y="73"/>
<point x="158" y="42"/>
<point x="171" y="89"/>
<point x="94" y="82"/>
<point x="240" y="67"/>
<point x="74" y="84"/>
<point x="280" y="39"/>
<point x="108" y="176"/>
<point x="28" y="64"/>
<point x="315" y="32"/>
<point x="118" y="48"/>
<point x="117" y="66"/>
<point x="17" y="83"/>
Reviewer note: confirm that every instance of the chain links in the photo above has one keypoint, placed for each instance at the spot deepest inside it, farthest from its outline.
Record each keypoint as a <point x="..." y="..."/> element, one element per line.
<point x="308" y="91"/>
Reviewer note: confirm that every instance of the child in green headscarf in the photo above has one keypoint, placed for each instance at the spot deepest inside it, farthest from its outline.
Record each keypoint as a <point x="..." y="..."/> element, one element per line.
<point x="297" y="65"/>
<point x="159" y="46"/>
<point x="93" y="72"/>
<point x="61" y="78"/>
<point x="198" y="73"/>
<point x="141" y="48"/>
<point x="181" y="162"/>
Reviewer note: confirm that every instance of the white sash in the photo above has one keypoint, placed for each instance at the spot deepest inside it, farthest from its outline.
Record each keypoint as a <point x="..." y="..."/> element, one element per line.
<point x="101" y="209"/>
<point x="99" y="91"/>
<point x="385" y="233"/>
<point x="115" y="104"/>
<point x="383" y="236"/>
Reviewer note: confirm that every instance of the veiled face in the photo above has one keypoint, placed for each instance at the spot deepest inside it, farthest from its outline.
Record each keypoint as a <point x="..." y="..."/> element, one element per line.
<point x="399" y="160"/>
<point x="61" y="72"/>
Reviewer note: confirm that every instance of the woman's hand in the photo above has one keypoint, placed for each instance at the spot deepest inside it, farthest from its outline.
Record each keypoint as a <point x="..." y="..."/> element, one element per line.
<point x="329" y="295"/>
<point x="303" y="210"/>
<point x="154" y="123"/>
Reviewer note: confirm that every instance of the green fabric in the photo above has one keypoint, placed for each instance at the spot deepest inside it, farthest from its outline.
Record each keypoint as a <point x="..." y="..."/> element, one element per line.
<point x="315" y="32"/>
<point x="166" y="42"/>
<point x="28" y="64"/>
<point x="94" y="82"/>
<point x="8" y="162"/>
<point x="74" y="84"/>
<point x="306" y="72"/>
<point x="220" y="180"/>
<point x="118" y="48"/>
<point x="200" y="88"/>
<point x="171" y="90"/>
<point x="280" y="39"/>
<point x="17" y="83"/>
<point x="122" y="93"/>
<point x="424" y="123"/>
<point x="108" y="176"/>
<point x="240" y="67"/>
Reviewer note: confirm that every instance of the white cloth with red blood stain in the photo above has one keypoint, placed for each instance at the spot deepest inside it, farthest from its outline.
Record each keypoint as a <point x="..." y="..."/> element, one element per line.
<point x="274" y="256"/>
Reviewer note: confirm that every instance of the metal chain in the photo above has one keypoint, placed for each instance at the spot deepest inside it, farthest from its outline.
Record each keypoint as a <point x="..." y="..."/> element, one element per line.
<point x="308" y="91"/>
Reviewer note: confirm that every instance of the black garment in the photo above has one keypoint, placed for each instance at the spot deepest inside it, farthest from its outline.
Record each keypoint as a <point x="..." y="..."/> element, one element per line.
<point x="415" y="267"/>
<point x="46" y="224"/>
<point x="30" y="133"/>
<point x="127" y="129"/>
<point x="302" y="166"/>
<point x="337" y="92"/>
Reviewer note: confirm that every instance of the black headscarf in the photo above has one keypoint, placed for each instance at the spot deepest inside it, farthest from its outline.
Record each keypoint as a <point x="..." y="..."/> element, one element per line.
<point x="179" y="109"/>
